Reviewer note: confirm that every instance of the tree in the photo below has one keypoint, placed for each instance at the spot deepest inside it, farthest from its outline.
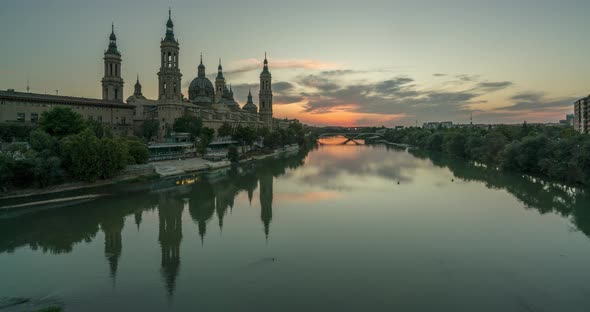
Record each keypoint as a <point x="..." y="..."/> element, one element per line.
<point x="189" y="124"/>
<point x="61" y="122"/>
<point x="138" y="152"/>
<point x="6" y="171"/>
<point x="245" y="135"/>
<point x="224" y="130"/>
<point x="99" y="129"/>
<point x="41" y="141"/>
<point x="113" y="156"/>
<point x="149" y="129"/>
<point x="10" y="132"/>
<point x="46" y="170"/>
<point x="204" y="139"/>
<point x="233" y="154"/>
<point x="81" y="154"/>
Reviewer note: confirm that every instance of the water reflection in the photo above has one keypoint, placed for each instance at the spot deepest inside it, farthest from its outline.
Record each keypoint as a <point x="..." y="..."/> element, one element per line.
<point x="213" y="195"/>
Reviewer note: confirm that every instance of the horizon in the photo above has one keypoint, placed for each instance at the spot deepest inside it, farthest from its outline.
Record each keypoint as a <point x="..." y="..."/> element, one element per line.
<point x="360" y="65"/>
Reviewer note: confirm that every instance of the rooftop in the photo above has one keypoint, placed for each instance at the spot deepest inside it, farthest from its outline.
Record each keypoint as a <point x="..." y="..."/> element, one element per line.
<point x="58" y="99"/>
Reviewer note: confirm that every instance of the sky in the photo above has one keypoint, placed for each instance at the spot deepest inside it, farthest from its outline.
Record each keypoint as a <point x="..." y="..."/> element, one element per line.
<point x="334" y="62"/>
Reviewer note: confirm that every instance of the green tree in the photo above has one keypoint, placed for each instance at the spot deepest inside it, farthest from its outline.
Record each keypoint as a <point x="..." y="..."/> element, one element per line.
<point x="99" y="129"/>
<point x="189" y="124"/>
<point x="204" y="139"/>
<point x="14" y="132"/>
<point x="113" y="157"/>
<point x="6" y="171"/>
<point x="245" y="135"/>
<point x="224" y="130"/>
<point x="61" y="122"/>
<point x="138" y="151"/>
<point x="233" y="154"/>
<point x="81" y="154"/>
<point x="41" y="141"/>
<point x="46" y="170"/>
<point x="149" y="129"/>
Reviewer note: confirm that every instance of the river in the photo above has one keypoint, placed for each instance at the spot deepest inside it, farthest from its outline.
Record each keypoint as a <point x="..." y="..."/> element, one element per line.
<point x="339" y="228"/>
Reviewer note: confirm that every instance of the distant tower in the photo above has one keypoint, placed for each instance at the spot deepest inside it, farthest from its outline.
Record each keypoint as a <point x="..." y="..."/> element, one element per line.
<point x="250" y="107"/>
<point x="169" y="77"/>
<point x="265" y="95"/>
<point x="137" y="93"/>
<point x="112" y="83"/>
<point x="219" y="83"/>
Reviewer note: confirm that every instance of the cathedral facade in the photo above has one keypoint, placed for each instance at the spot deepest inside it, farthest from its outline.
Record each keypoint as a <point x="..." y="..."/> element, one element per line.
<point x="214" y="102"/>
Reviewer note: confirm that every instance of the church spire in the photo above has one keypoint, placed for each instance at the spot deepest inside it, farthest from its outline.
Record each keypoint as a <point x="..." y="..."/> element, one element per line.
<point x="113" y="42"/>
<point x="169" y="27"/>
<point x="137" y="87"/>
<point x="201" y="70"/>
<point x="219" y="70"/>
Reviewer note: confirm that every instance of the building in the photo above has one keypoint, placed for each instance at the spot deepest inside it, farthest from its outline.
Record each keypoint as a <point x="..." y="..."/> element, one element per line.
<point x="581" y="115"/>
<point x="568" y="121"/>
<point x="22" y="107"/>
<point x="436" y="124"/>
<point x="214" y="104"/>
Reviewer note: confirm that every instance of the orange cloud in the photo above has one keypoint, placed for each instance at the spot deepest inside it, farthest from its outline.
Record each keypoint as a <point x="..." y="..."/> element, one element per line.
<point x="341" y="116"/>
<point x="255" y="64"/>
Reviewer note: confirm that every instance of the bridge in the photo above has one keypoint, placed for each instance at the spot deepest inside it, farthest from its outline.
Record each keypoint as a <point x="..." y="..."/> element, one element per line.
<point x="352" y="137"/>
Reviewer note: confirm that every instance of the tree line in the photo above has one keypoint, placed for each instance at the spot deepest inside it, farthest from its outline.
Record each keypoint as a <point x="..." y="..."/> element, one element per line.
<point x="295" y="133"/>
<point x="555" y="152"/>
<point x="64" y="146"/>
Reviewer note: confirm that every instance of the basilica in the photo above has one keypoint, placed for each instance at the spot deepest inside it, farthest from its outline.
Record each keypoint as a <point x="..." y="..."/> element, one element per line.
<point x="214" y="103"/>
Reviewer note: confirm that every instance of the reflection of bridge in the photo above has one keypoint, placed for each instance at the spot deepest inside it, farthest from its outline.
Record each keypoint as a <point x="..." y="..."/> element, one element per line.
<point x="352" y="137"/>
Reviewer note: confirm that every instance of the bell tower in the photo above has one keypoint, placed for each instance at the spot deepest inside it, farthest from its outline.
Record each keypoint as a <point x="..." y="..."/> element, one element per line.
<point x="112" y="83"/>
<point x="169" y="77"/>
<point x="265" y="95"/>
<point x="219" y="83"/>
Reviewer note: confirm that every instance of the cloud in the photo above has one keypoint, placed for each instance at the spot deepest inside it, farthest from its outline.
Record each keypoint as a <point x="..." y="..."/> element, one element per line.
<point x="534" y="101"/>
<point x="494" y="86"/>
<point x="439" y="75"/>
<point x="319" y="83"/>
<point x="247" y="65"/>
<point x="282" y="86"/>
<point x="468" y="78"/>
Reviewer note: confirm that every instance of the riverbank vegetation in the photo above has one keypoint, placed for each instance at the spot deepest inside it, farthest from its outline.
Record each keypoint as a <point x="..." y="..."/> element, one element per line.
<point x="555" y="152"/>
<point x="62" y="147"/>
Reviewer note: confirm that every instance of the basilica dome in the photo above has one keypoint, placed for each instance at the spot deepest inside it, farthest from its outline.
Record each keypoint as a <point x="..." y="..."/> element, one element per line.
<point x="201" y="87"/>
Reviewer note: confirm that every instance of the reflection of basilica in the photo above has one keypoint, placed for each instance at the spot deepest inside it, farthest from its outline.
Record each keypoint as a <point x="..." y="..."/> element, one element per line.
<point x="170" y="236"/>
<point x="266" y="181"/>
<point x="211" y="196"/>
<point x="57" y="231"/>
<point x="113" y="245"/>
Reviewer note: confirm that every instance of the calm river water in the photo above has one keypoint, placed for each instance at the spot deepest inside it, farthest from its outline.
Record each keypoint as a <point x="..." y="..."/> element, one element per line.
<point x="340" y="228"/>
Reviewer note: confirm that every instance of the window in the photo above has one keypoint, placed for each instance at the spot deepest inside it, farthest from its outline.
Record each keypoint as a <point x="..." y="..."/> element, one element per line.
<point x="34" y="117"/>
<point x="20" y="117"/>
<point x="123" y="120"/>
<point x="116" y="93"/>
<point x="99" y="118"/>
<point x="90" y="118"/>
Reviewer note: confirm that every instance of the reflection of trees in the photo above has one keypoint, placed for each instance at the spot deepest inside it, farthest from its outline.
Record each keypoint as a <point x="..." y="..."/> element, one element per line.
<point x="546" y="197"/>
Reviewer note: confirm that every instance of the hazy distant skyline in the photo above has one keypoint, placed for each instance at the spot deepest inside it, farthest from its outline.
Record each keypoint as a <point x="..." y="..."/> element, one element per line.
<point x="333" y="62"/>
